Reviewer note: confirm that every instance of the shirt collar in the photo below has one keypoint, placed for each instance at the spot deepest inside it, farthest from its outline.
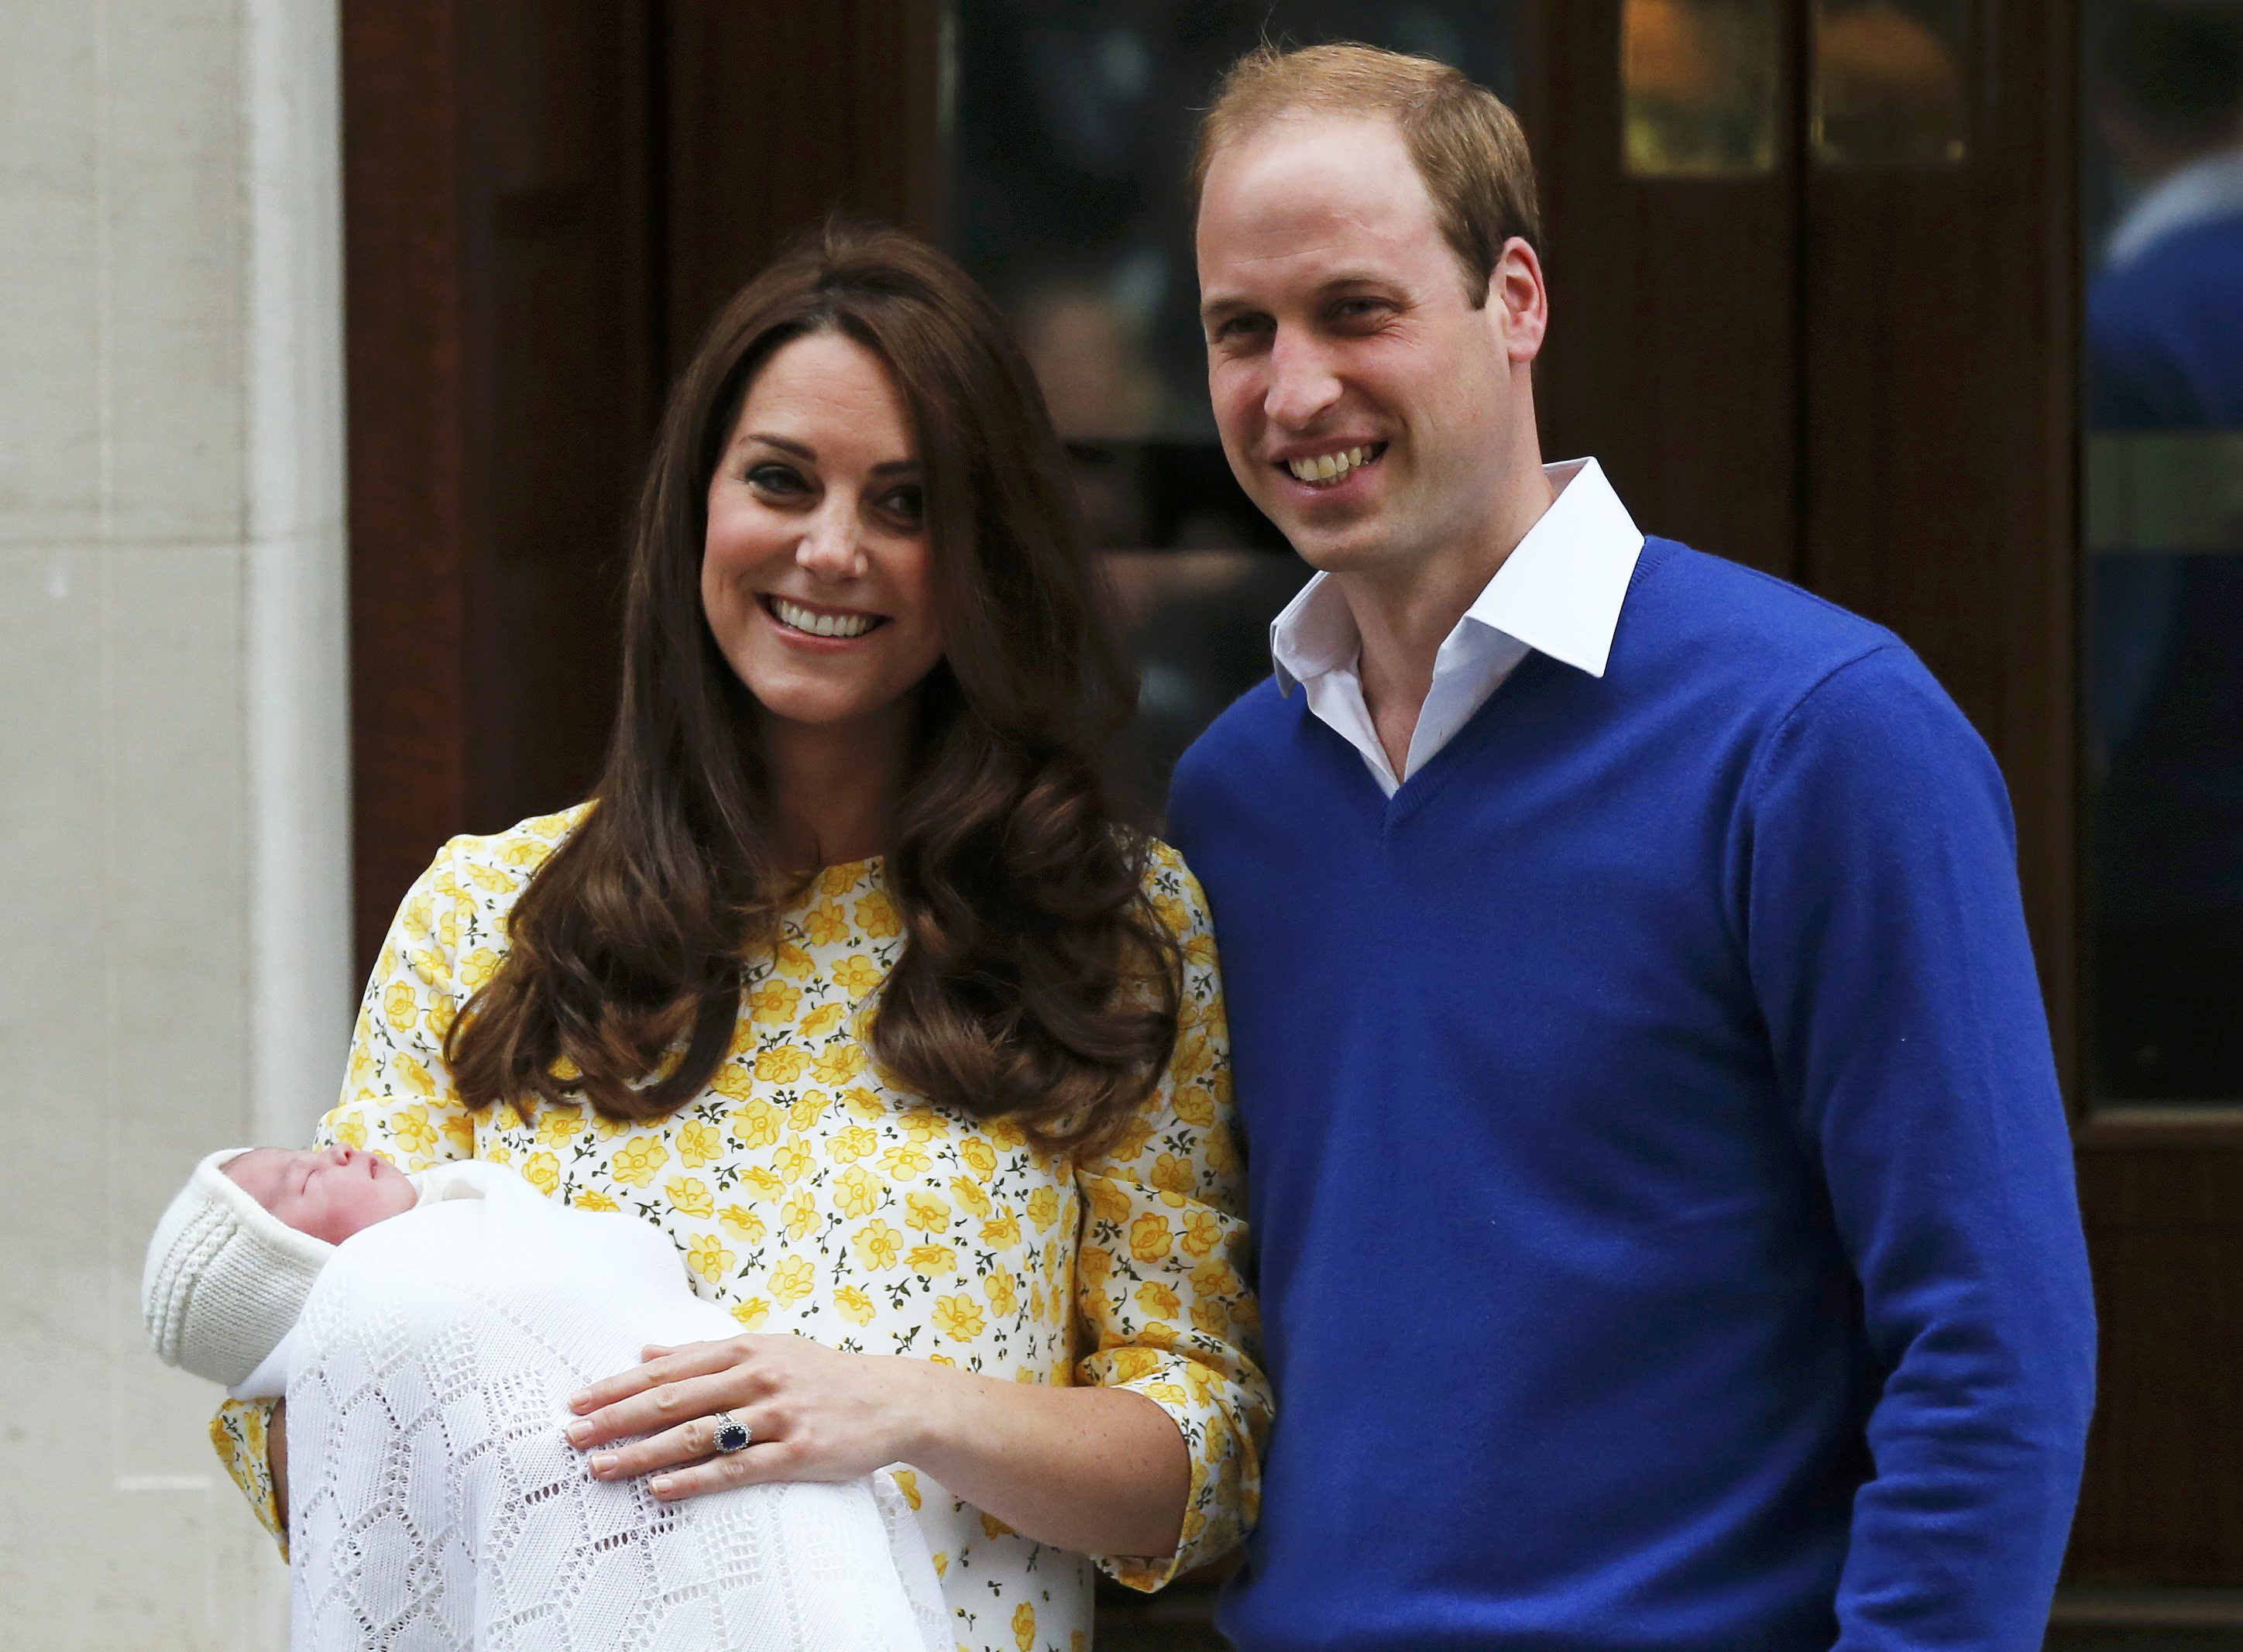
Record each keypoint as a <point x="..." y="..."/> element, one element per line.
<point x="1559" y="591"/>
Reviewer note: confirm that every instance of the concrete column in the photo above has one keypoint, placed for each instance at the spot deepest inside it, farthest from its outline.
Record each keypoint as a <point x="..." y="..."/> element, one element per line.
<point x="174" y="849"/>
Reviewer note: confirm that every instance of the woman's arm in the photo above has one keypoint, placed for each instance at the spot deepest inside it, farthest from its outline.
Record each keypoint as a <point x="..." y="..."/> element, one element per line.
<point x="1098" y="1470"/>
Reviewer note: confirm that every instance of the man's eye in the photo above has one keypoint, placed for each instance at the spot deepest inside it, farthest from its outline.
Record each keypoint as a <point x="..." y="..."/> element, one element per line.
<point x="1240" y="327"/>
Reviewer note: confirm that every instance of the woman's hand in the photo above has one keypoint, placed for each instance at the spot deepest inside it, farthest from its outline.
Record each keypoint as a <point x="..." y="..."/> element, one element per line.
<point x="811" y="1413"/>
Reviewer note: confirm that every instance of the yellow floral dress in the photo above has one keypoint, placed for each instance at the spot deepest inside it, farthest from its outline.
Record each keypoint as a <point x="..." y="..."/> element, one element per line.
<point x="807" y="1196"/>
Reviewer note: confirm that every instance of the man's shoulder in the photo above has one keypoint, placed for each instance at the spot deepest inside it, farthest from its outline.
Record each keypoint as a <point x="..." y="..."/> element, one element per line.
<point x="1245" y="733"/>
<point x="1689" y="608"/>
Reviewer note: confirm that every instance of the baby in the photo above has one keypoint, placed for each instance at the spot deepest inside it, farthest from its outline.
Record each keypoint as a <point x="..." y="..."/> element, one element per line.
<point x="426" y="1332"/>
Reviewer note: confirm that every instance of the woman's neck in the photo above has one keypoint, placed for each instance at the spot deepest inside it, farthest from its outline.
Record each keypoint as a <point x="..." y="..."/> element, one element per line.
<point x="836" y="785"/>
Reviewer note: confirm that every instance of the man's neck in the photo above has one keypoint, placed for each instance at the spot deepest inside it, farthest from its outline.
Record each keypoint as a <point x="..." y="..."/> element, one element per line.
<point x="1404" y="616"/>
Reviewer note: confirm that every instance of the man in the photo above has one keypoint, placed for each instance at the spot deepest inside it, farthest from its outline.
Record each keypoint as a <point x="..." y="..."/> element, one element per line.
<point x="1664" y="1208"/>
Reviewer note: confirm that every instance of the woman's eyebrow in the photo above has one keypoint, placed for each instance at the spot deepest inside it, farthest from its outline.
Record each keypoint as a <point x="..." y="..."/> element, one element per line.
<point x="800" y="450"/>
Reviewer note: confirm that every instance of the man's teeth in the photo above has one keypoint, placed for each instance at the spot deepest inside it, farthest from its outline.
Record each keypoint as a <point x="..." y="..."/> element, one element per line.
<point x="817" y="624"/>
<point x="1329" y="466"/>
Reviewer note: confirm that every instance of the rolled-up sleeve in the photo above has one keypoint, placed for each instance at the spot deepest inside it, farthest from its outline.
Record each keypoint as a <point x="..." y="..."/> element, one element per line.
<point x="398" y="1099"/>
<point x="1160" y="1265"/>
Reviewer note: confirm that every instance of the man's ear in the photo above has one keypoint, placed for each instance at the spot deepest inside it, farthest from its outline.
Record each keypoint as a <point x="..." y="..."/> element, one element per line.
<point x="1518" y="301"/>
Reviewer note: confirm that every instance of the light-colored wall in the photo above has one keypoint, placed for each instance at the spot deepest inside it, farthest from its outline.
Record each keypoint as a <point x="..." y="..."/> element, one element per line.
<point x="173" y="807"/>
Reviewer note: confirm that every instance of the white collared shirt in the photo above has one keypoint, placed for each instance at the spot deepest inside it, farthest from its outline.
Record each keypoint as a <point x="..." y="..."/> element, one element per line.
<point x="1557" y="593"/>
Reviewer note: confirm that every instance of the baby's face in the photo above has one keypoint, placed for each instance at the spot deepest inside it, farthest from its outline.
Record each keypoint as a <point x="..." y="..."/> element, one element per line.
<point x="330" y="1194"/>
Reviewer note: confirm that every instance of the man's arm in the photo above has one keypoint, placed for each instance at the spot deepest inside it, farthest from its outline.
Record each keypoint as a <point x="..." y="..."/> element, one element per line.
<point x="1877" y="878"/>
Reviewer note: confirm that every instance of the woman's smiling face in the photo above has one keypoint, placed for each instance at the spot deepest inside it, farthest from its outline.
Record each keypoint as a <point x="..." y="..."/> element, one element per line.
<point x="816" y="574"/>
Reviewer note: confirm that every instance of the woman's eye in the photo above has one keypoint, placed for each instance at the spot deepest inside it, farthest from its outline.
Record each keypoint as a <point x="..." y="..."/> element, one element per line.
<point x="905" y="504"/>
<point x="777" y="478"/>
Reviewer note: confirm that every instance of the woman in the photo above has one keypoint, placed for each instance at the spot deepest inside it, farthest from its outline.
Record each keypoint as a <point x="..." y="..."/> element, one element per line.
<point x="852" y="980"/>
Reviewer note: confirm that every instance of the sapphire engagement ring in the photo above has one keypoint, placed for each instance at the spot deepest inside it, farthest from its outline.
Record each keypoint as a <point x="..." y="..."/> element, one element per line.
<point x="731" y="1433"/>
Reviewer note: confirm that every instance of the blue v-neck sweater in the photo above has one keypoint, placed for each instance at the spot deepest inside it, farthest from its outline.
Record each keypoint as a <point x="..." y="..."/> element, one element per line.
<point x="1662" y="1200"/>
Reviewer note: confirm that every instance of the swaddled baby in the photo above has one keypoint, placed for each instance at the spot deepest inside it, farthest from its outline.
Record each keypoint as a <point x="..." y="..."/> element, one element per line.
<point x="426" y="1331"/>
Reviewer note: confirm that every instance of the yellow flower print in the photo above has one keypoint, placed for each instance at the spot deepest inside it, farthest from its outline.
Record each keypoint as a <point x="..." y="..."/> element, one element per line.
<point x="1195" y="1104"/>
<point x="763" y="1181"/>
<point x="792" y="1279"/>
<point x="428" y="964"/>
<point x="782" y="1064"/>
<point x="1172" y="1174"/>
<point x="592" y="1199"/>
<point x="856" y="1192"/>
<point x="1024" y="1626"/>
<point x="478" y="968"/>
<point x="791" y="961"/>
<point x="1043" y="1206"/>
<point x="1208" y="1317"/>
<point x="1149" y="1237"/>
<point x="707" y="1257"/>
<point x="751" y="1312"/>
<point x="1004" y="1294"/>
<point x="1006" y="1134"/>
<point x="1168" y="1392"/>
<point x="853" y="1144"/>
<point x="415" y="1075"/>
<point x="926" y="1212"/>
<point x="907" y="1483"/>
<point x="922" y="1123"/>
<point x="1203" y="1232"/>
<point x="904" y="1161"/>
<point x="1108" y="1202"/>
<point x="825" y="925"/>
<point x="543" y="1171"/>
<point x="1132" y="1364"/>
<point x="637" y="1161"/>
<point x="460" y="1130"/>
<point x="772" y="1004"/>
<point x="733" y="1080"/>
<point x="792" y="1161"/>
<point x="855" y="1307"/>
<point x="856" y="976"/>
<point x="1001" y="1230"/>
<point x="508" y="1118"/>
<point x="1215" y="1278"/>
<point x="415" y="1135"/>
<point x="864" y="1106"/>
<point x="691" y="1196"/>
<point x="877" y="1246"/>
<point x="1221" y="1158"/>
<point x="1199" y="951"/>
<point x="823" y="1020"/>
<point x="840" y="879"/>
<point x="556" y="1125"/>
<point x="400" y="1007"/>
<point x="808" y="1109"/>
<point x="698" y="1143"/>
<point x="800" y="1213"/>
<point x="491" y="882"/>
<point x="839" y="1064"/>
<point x="979" y="1154"/>
<point x="1132" y="1140"/>
<point x="968" y="1193"/>
<point x="1095" y="1264"/>
<point x="1155" y="1333"/>
<point x="959" y="1318"/>
<point x="1157" y="1299"/>
<point x="520" y="855"/>
<point x="350" y="1131"/>
<point x="743" y="1224"/>
<point x="993" y="1527"/>
<point x="756" y="1124"/>
<point x="1036" y="1305"/>
<point x="550" y="827"/>
<point x="439" y="1020"/>
<point x="933" y="1258"/>
<point x="876" y="917"/>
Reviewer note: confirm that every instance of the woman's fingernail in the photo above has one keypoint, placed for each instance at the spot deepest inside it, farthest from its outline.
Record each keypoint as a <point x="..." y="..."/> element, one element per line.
<point x="659" y="1485"/>
<point x="603" y="1465"/>
<point x="576" y="1402"/>
<point x="578" y="1432"/>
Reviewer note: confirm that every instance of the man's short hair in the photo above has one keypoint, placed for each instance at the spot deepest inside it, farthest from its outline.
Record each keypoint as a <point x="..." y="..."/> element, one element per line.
<point x="1466" y="142"/>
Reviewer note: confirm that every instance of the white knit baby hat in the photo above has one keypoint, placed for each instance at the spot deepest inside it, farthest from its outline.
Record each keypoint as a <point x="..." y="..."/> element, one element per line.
<point x="225" y="1278"/>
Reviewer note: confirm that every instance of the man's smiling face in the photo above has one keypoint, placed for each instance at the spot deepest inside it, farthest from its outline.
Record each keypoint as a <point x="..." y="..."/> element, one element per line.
<point x="1364" y="400"/>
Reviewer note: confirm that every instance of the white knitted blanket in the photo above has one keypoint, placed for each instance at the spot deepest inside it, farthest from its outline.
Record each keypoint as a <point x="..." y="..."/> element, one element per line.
<point x="436" y="1505"/>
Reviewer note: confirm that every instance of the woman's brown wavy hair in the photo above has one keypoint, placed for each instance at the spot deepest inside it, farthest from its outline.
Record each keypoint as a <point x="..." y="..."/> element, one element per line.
<point x="1035" y="982"/>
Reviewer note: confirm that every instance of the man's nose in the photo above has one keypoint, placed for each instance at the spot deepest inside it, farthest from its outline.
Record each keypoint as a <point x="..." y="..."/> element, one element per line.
<point x="1301" y="382"/>
<point x="831" y="547"/>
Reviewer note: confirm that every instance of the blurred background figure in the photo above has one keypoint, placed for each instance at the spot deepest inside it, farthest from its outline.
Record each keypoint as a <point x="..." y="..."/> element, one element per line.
<point x="2164" y="506"/>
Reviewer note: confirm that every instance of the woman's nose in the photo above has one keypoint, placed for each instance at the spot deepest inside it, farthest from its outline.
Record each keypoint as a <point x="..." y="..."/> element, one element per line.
<point x="830" y="550"/>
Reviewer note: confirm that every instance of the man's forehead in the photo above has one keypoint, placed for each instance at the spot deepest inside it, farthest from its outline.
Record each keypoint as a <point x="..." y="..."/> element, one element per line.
<point x="1321" y="195"/>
